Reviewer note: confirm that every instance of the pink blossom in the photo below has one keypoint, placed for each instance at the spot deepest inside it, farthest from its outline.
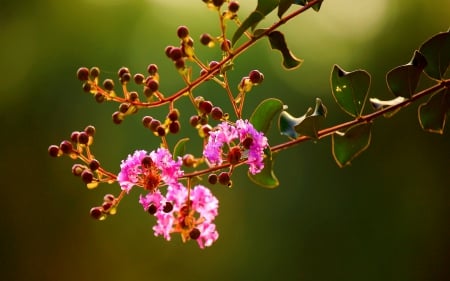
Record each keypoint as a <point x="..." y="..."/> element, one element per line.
<point x="162" y="169"/>
<point x="243" y="134"/>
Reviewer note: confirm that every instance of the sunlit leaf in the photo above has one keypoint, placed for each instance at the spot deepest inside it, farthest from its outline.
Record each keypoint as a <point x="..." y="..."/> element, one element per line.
<point x="266" y="177"/>
<point x="349" y="144"/>
<point x="306" y="125"/>
<point x="433" y="113"/>
<point x="402" y="80"/>
<point x="382" y="104"/>
<point x="263" y="8"/>
<point x="350" y="89"/>
<point x="278" y="42"/>
<point x="264" y="113"/>
<point x="180" y="148"/>
<point x="437" y="53"/>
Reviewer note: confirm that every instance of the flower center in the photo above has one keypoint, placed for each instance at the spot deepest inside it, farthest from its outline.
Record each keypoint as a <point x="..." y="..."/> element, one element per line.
<point x="151" y="174"/>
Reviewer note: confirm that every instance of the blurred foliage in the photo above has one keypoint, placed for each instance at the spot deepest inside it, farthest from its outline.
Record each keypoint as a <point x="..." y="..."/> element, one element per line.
<point x="385" y="217"/>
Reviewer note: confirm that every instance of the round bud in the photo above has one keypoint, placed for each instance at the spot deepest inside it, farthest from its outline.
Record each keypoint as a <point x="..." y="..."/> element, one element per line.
<point x="96" y="213"/>
<point x="134" y="96"/>
<point x="247" y="142"/>
<point x="179" y="64"/>
<point x="234" y="155"/>
<point x="161" y="131"/>
<point x="152" y="69"/>
<point x="173" y="115"/>
<point x="205" y="107"/>
<point x="206" y="129"/>
<point x="66" y="146"/>
<point x="152" y="84"/>
<point x="117" y="117"/>
<point x="99" y="97"/>
<point x="108" y="84"/>
<point x="226" y="45"/>
<point x="123" y="107"/>
<point x="86" y="87"/>
<point x="176" y="53"/>
<point x="213" y="64"/>
<point x="154" y="124"/>
<point x="233" y="6"/>
<point x="83" y="74"/>
<point x="77" y="169"/>
<point x="205" y="39"/>
<point x="168" y="50"/>
<point x="87" y="176"/>
<point x="90" y="130"/>
<point x="182" y="32"/>
<point x="216" y="113"/>
<point x="174" y="127"/>
<point x="106" y="206"/>
<point x="194" y="234"/>
<point x="152" y="209"/>
<point x="167" y="207"/>
<point x="218" y="3"/>
<point x="83" y="138"/>
<point x="122" y="71"/>
<point x="126" y="77"/>
<point x="94" y="164"/>
<point x="109" y="198"/>
<point x="74" y="136"/>
<point x="188" y="160"/>
<point x="212" y="178"/>
<point x="138" y="78"/>
<point x="194" y="120"/>
<point x="94" y="72"/>
<point x="146" y="162"/>
<point x="53" y="150"/>
<point x="146" y="120"/>
<point x="224" y="178"/>
<point x="256" y="77"/>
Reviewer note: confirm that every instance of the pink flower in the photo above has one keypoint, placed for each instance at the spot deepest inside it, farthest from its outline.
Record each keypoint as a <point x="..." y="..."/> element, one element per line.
<point x="149" y="170"/>
<point x="192" y="218"/>
<point x="241" y="137"/>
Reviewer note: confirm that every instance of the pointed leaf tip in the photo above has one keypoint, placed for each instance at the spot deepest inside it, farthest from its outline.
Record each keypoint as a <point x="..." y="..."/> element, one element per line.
<point x="278" y="42"/>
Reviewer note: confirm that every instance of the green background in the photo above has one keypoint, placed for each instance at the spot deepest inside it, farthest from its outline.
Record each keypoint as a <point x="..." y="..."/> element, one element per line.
<point x="383" y="218"/>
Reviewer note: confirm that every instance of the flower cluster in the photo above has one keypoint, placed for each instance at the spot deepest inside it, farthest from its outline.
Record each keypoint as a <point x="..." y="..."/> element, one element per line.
<point x="237" y="140"/>
<point x="188" y="212"/>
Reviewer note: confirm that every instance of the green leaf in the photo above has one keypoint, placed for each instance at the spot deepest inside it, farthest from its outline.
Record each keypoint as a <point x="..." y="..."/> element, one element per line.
<point x="284" y="6"/>
<point x="266" y="177"/>
<point x="382" y="104"/>
<point x="349" y="144"/>
<point x="436" y="50"/>
<point x="264" y="113"/>
<point x="277" y="42"/>
<point x="180" y="148"/>
<point x="433" y="113"/>
<point x="306" y="125"/>
<point x="402" y="80"/>
<point x="263" y="8"/>
<point x="350" y="89"/>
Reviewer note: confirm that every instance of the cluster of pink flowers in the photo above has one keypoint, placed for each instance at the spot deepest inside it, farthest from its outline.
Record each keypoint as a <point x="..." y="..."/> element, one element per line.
<point x="188" y="212"/>
<point x="249" y="143"/>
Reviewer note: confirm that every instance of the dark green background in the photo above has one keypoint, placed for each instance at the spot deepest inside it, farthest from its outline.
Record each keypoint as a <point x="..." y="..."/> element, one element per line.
<point x="383" y="218"/>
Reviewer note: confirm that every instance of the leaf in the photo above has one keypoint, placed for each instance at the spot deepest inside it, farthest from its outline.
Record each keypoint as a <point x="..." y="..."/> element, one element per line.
<point x="349" y="144"/>
<point x="402" y="80"/>
<point x="266" y="177"/>
<point x="277" y="42"/>
<point x="436" y="51"/>
<point x="180" y="148"/>
<point x="381" y="104"/>
<point x="433" y="113"/>
<point x="263" y="8"/>
<point x="306" y="125"/>
<point x="284" y="6"/>
<point x="264" y="113"/>
<point x="350" y="89"/>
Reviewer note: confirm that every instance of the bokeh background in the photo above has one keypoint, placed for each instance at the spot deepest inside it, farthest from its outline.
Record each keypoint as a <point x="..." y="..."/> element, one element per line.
<point x="383" y="218"/>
